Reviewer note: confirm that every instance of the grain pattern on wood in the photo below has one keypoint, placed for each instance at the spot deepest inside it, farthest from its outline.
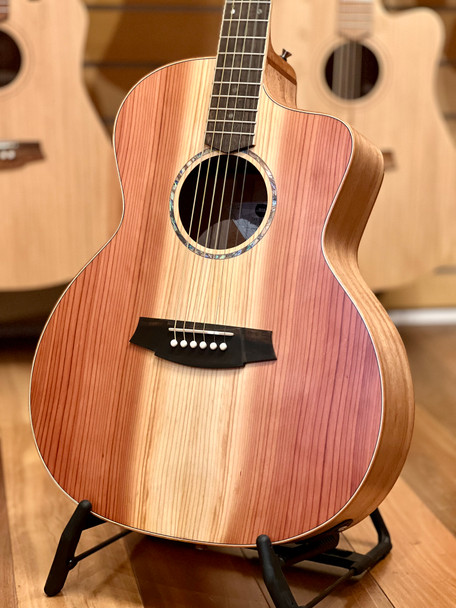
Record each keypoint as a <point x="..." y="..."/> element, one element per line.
<point x="201" y="454"/>
<point x="58" y="211"/>
<point x="411" y="230"/>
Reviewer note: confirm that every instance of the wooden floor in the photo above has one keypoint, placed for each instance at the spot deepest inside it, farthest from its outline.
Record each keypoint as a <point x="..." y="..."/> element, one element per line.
<point x="136" y="571"/>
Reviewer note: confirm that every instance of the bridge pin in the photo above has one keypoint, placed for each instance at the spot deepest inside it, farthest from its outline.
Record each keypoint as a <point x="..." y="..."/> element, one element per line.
<point x="203" y="344"/>
<point x="213" y="345"/>
<point x="193" y="344"/>
<point x="183" y="343"/>
<point x="173" y="342"/>
<point x="223" y="346"/>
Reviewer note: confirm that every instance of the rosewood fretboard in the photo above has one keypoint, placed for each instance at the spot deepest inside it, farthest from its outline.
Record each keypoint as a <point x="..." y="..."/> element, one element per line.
<point x="238" y="75"/>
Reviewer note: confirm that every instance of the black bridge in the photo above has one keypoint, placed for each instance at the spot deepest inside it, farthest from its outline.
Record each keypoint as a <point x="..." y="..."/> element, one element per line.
<point x="204" y="344"/>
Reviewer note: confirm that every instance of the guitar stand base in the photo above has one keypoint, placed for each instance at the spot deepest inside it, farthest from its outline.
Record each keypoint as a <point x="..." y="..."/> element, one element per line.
<point x="321" y="549"/>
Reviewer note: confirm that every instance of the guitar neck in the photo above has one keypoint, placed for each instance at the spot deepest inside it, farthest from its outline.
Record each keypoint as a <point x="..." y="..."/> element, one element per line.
<point x="4" y="8"/>
<point x="238" y="75"/>
<point x="355" y="18"/>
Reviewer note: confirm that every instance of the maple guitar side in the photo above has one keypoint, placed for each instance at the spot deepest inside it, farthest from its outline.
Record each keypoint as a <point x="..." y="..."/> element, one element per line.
<point x="411" y="229"/>
<point x="287" y="447"/>
<point x="58" y="184"/>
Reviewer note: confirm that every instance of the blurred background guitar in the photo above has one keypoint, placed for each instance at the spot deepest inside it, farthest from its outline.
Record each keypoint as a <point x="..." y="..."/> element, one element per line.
<point x="58" y="184"/>
<point x="377" y="71"/>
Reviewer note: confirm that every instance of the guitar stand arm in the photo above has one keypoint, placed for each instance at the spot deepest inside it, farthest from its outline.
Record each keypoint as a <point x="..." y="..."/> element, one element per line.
<point x="321" y="549"/>
<point x="65" y="558"/>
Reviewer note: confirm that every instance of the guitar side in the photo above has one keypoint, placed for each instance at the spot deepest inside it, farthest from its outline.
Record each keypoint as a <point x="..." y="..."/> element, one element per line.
<point x="61" y="203"/>
<point x="202" y="454"/>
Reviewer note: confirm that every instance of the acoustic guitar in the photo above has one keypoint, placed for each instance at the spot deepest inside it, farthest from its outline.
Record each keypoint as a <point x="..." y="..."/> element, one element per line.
<point x="58" y="186"/>
<point x="220" y="369"/>
<point x="377" y="71"/>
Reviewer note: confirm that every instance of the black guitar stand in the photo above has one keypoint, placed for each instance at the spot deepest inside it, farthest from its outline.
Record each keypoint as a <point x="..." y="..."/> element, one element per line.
<point x="321" y="549"/>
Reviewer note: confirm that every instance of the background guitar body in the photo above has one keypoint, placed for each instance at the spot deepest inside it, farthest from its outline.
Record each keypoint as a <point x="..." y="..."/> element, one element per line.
<point x="286" y="447"/>
<point x="60" y="199"/>
<point x="411" y="230"/>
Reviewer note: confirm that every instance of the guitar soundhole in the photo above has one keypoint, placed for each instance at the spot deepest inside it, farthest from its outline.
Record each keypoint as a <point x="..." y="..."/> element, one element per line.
<point x="224" y="204"/>
<point x="352" y="71"/>
<point x="10" y="59"/>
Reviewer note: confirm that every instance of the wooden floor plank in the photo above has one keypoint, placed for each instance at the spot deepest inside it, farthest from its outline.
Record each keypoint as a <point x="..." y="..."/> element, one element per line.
<point x="420" y="571"/>
<point x="430" y="466"/>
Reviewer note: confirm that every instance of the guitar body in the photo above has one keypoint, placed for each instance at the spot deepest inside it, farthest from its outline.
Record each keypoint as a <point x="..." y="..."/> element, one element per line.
<point x="58" y="186"/>
<point x="411" y="229"/>
<point x="287" y="447"/>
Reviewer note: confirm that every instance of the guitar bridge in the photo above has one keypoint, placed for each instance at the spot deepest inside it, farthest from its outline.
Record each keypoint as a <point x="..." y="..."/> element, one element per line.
<point x="14" y="154"/>
<point x="204" y="344"/>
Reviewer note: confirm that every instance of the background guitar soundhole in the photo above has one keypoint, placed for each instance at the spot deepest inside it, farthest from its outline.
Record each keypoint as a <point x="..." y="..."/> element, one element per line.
<point x="10" y="59"/>
<point x="352" y="70"/>
<point x="223" y="201"/>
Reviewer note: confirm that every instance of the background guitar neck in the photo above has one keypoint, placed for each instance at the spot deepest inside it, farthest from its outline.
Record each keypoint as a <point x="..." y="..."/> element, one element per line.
<point x="355" y="19"/>
<point x="4" y="7"/>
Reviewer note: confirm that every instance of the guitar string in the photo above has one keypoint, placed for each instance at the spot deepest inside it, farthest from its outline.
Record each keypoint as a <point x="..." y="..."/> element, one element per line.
<point x="187" y="245"/>
<point x="214" y="268"/>
<point x="228" y="291"/>
<point x="228" y="263"/>
<point x="347" y="70"/>
<point x="196" y="283"/>
<point x="192" y="282"/>
<point x="208" y="232"/>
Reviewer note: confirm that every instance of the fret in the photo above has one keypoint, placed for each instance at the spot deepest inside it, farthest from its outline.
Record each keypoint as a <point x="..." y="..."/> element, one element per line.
<point x="249" y="38"/>
<point x="221" y="124"/>
<point x="240" y="96"/>
<point x="240" y="115"/>
<point x="232" y="112"/>
<point x="245" y="29"/>
<point x="224" y="132"/>
<point x="242" y="46"/>
<point x="232" y="20"/>
<point x="233" y="75"/>
<point x="243" y="61"/>
<point x="236" y="90"/>
<point x="219" y="109"/>
<point x="247" y="3"/>
<point x="237" y="53"/>
<point x="235" y="84"/>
